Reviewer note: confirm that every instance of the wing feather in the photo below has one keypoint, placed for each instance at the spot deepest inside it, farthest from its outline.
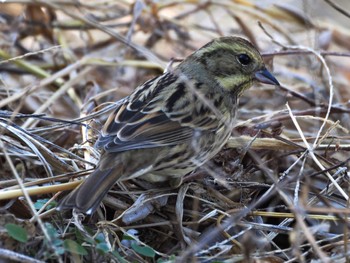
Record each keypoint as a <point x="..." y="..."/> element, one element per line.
<point x="149" y="119"/>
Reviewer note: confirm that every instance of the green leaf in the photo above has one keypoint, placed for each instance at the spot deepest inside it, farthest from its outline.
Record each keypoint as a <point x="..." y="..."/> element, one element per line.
<point x="103" y="247"/>
<point x="51" y="230"/>
<point x="171" y="259"/>
<point x="128" y="237"/>
<point x="17" y="232"/>
<point x="80" y="238"/>
<point x="74" y="247"/>
<point x="144" y="251"/>
<point x="119" y="257"/>
<point x="100" y="238"/>
<point x="41" y="202"/>
<point x="60" y="250"/>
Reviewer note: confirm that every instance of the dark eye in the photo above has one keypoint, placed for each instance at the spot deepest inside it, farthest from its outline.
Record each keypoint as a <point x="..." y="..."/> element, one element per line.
<point x="244" y="59"/>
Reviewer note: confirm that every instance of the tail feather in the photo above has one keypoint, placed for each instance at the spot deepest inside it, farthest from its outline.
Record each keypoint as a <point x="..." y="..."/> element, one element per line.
<point x="87" y="197"/>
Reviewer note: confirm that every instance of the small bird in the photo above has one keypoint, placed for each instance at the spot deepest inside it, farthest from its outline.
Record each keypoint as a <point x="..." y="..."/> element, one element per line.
<point x="173" y="123"/>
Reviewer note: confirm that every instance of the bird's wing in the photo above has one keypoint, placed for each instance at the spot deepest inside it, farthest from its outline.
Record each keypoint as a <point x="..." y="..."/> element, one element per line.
<point x="159" y="113"/>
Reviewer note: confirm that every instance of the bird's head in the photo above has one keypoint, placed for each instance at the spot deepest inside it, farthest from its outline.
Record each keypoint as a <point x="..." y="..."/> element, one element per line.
<point x="233" y="62"/>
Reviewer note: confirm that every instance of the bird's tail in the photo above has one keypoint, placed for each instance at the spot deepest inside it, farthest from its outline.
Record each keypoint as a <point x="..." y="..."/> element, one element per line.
<point x="87" y="197"/>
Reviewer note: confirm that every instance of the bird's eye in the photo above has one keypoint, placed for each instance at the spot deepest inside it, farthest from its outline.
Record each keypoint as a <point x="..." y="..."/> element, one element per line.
<point x="244" y="59"/>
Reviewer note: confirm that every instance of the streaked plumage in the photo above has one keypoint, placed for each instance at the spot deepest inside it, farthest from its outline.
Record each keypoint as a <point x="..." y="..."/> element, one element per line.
<point x="175" y="122"/>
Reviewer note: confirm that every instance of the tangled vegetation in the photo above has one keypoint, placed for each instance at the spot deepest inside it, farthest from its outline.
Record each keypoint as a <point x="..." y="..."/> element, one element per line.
<point x="277" y="192"/>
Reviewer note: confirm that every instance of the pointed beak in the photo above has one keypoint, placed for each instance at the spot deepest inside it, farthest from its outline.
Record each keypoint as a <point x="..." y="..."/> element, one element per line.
<point x="264" y="76"/>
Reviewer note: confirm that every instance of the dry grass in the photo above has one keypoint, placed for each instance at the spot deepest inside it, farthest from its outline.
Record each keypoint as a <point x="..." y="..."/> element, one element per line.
<point x="279" y="190"/>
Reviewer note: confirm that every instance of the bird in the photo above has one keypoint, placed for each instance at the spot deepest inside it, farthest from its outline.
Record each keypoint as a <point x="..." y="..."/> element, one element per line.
<point x="173" y="123"/>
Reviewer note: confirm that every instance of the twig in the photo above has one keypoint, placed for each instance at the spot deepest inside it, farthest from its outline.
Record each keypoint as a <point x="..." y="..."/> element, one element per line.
<point x="30" y="203"/>
<point x="30" y="54"/>
<point x="313" y="156"/>
<point x="9" y="194"/>
<point x="338" y="8"/>
<point x="305" y="52"/>
<point x="9" y="255"/>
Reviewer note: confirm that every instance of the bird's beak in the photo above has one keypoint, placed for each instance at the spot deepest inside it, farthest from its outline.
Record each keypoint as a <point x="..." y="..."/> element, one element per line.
<point x="264" y="76"/>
